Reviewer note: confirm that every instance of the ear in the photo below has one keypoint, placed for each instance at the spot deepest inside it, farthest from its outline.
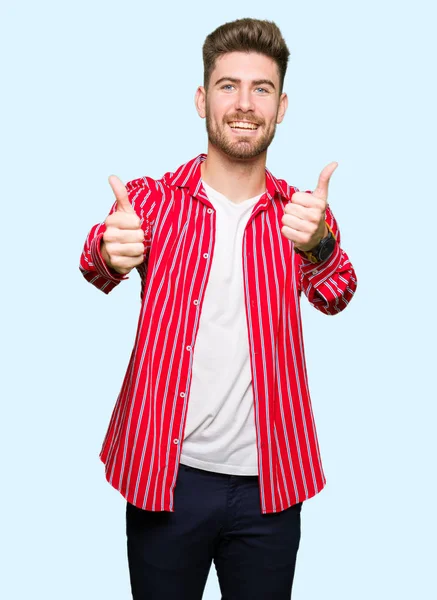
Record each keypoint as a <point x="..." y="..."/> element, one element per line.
<point x="200" y="101"/>
<point x="282" y="109"/>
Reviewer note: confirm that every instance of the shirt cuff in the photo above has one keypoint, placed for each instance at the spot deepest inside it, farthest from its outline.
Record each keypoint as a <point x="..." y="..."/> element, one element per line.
<point x="318" y="273"/>
<point x="99" y="263"/>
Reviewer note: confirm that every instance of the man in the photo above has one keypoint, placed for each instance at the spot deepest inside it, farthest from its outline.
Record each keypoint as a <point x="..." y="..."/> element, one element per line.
<point x="212" y="440"/>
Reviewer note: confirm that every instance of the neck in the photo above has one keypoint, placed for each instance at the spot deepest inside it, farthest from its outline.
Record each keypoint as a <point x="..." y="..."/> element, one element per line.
<point x="236" y="179"/>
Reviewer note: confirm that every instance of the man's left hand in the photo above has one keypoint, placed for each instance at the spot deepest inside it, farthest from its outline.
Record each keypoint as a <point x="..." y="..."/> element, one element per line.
<point x="304" y="216"/>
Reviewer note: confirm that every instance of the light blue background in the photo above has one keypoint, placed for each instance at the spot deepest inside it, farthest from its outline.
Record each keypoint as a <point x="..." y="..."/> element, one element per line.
<point x="94" y="88"/>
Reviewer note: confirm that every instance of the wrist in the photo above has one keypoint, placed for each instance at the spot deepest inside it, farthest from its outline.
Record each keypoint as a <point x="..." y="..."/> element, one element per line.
<point x="322" y="250"/>
<point x="314" y="245"/>
<point x="324" y="235"/>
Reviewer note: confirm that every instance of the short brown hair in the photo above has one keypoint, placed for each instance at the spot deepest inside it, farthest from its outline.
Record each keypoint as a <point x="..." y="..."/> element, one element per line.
<point x="245" y="35"/>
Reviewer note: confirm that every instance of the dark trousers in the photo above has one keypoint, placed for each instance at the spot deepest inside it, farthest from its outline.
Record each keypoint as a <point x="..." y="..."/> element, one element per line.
<point x="217" y="518"/>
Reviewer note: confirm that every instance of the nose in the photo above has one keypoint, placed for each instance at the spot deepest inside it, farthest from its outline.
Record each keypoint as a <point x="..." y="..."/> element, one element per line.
<point x="244" y="100"/>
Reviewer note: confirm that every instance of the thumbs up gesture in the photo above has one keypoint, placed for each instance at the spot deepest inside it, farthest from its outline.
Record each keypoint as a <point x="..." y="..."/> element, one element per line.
<point x="304" y="216"/>
<point x="122" y="246"/>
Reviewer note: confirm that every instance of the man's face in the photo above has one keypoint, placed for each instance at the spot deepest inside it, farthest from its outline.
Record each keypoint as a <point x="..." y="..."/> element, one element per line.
<point x="242" y="105"/>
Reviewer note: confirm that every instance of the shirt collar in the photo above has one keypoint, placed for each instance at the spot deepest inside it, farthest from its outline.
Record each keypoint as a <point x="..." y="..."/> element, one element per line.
<point x="189" y="176"/>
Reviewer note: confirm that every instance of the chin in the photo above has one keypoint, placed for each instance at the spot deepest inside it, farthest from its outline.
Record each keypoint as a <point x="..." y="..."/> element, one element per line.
<point x="242" y="149"/>
<point x="245" y="150"/>
<point x="244" y="155"/>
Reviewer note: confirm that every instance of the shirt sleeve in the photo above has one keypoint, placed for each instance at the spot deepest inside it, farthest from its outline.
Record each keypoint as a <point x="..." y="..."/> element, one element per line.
<point x="142" y="195"/>
<point x="329" y="285"/>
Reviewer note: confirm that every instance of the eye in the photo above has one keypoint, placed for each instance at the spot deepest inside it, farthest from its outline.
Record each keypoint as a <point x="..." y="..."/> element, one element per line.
<point x="227" y="86"/>
<point x="262" y="90"/>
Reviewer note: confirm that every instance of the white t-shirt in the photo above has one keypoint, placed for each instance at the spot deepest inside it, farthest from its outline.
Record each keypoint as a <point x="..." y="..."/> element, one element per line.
<point x="220" y="433"/>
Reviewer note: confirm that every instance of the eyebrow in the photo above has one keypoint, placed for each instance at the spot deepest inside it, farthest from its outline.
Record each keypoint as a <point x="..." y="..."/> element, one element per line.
<point x="254" y="82"/>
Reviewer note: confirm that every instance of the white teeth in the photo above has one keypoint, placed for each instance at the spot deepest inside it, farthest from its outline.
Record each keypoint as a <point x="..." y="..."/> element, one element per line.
<point x="242" y="125"/>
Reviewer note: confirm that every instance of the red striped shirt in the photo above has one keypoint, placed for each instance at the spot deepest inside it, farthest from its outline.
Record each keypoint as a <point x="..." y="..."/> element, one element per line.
<point x="143" y="442"/>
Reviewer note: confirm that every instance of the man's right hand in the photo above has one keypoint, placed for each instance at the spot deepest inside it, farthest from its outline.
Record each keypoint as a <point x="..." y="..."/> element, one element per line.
<point x="122" y="244"/>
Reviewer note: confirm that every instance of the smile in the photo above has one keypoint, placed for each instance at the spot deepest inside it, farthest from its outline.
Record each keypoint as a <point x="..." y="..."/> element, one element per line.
<point x="246" y="125"/>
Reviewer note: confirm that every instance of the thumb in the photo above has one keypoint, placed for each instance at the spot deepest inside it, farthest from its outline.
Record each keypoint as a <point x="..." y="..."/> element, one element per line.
<point x="121" y="196"/>
<point x="321" y="190"/>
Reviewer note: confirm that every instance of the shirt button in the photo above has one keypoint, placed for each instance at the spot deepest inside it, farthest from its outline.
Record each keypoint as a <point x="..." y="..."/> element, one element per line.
<point x="175" y="441"/>
<point x="315" y="271"/>
<point x="182" y="394"/>
<point x="205" y="255"/>
<point x="188" y="348"/>
<point x="196" y="302"/>
<point x="209" y="211"/>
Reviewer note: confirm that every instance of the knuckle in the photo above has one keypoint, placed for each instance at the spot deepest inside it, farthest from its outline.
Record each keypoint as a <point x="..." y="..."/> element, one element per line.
<point x="116" y="260"/>
<point x="135" y="220"/>
<point x="109" y="235"/>
<point x="113" y="221"/>
<point x="141" y="235"/>
<point x="128" y="250"/>
<point x="112" y="248"/>
<point x="109" y="247"/>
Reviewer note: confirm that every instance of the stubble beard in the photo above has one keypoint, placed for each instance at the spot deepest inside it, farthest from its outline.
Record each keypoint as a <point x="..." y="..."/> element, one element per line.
<point x="240" y="149"/>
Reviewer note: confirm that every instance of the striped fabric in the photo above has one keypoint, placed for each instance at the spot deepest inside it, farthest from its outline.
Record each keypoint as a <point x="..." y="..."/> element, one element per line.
<point x="143" y="442"/>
